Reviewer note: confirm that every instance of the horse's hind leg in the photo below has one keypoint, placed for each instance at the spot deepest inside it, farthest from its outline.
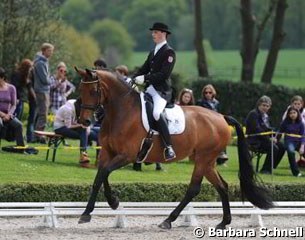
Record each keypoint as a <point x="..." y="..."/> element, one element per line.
<point x="222" y="188"/>
<point x="192" y="191"/>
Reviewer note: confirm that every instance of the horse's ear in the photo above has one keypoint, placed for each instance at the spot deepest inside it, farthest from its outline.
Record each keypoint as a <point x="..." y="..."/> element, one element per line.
<point x="80" y="72"/>
<point x="92" y="74"/>
<point x="89" y="72"/>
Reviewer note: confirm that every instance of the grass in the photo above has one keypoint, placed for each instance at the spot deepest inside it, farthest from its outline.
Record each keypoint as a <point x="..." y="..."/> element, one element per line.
<point x="227" y="64"/>
<point x="17" y="168"/>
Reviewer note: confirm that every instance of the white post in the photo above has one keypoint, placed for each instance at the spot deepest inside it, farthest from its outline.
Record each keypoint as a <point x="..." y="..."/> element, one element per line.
<point x="256" y="220"/>
<point x="120" y="219"/>
<point x="47" y="219"/>
<point x="189" y="220"/>
<point x="53" y="216"/>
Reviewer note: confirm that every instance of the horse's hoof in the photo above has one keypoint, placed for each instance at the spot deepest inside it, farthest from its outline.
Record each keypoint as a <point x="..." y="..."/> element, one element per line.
<point x="84" y="219"/>
<point x="114" y="204"/>
<point x="221" y="226"/>
<point x="165" y="225"/>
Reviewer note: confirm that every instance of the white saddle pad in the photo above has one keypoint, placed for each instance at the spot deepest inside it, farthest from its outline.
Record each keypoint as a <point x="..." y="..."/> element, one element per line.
<point x="175" y="118"/>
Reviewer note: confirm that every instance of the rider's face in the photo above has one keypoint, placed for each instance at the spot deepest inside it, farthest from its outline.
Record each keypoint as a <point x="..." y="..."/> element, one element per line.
<point x="158" y="36"/>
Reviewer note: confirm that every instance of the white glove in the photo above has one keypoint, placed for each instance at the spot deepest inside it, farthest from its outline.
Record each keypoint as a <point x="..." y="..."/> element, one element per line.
<point x="139" y="79"/>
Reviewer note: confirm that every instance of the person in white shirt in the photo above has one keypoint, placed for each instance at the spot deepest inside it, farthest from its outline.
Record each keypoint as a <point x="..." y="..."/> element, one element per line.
<point x="66" y="124"/>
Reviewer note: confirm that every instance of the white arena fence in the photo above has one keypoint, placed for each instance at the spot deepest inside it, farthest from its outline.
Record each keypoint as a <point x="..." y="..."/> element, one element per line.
<point x="51" y="210"/>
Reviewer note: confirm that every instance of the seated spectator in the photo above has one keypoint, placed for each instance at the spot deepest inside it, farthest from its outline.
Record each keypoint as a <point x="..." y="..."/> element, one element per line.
<point x="7" y="107"/>
<point x="22" y="82"/>
<point x="298" y="103"/>
<point x="186" y="97"/>
<point x="209" y="101"/>
<point x="292" y="124"/>
<point x="66" y="124"/>
<point x="257" y="121"/>
<point x="60" y="87"/>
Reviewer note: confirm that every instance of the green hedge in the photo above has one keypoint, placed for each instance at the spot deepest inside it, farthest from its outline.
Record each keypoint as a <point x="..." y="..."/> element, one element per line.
<point x="238" y="98"/>
<point x="134" y="192"/>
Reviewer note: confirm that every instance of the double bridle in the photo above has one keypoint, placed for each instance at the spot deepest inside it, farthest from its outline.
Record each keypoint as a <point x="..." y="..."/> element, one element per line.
<point x="97" y="93"/>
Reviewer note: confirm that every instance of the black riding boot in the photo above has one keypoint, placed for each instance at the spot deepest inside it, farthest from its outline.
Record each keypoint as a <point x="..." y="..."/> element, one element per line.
<point x="169" y="152"/>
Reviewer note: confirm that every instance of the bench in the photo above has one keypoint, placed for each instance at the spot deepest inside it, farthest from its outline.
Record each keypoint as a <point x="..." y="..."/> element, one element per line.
<point x="53" y="140"/>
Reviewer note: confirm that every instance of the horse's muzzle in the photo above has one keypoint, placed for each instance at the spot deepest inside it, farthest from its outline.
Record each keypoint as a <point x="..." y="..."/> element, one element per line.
<point x="87" y="123"/>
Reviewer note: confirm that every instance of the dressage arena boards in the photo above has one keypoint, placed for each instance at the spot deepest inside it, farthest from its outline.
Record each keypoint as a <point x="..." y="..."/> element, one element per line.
<point x="138" y="227"/>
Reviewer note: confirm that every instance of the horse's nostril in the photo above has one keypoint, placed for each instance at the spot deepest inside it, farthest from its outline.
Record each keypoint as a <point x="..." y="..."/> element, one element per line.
<point x="87" y="122"/>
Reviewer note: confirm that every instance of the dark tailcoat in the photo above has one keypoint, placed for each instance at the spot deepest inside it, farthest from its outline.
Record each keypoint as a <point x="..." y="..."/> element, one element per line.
<point x="158" y="68"/>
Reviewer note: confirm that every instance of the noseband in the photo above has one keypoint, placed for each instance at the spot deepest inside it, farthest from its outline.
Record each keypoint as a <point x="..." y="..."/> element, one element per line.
<point x="97" y="93"/>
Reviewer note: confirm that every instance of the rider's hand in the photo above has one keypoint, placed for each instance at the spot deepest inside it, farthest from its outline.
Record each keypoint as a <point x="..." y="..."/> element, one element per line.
<point x="139" y="79"/>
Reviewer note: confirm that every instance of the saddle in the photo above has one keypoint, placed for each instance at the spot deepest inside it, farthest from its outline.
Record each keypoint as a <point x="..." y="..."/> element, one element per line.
<point x="173" y="114"/>
<point x="175" y="119"/>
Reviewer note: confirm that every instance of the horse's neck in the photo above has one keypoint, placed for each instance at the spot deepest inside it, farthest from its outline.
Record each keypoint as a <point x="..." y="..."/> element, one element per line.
<point x="122" y="102"/>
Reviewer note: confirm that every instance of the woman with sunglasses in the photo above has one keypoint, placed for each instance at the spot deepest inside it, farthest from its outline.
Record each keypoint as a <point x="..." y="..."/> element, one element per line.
<point x="209" y="101"/>
<point x="60" y="87"/>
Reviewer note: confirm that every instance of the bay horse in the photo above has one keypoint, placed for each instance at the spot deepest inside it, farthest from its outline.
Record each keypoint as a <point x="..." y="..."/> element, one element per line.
<point x="206" y="134"/>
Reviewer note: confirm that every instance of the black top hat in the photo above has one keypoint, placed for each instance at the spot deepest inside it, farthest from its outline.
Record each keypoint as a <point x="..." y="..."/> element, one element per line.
<point x="160" y="27"/>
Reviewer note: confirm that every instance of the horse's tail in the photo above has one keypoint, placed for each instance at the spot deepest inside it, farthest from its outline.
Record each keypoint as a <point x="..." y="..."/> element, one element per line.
<point x="255" y="192"/>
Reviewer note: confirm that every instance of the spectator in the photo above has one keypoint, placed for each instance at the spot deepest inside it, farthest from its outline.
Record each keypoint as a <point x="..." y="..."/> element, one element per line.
<point x="298" y="103"/>
<point x="186" y="97"/>
<point x="21" y="80"/>
<point x="66" y="124"/>
<point x="209" y="101"/>
<point x="32" y="110"/>
<point x="292" y="124"/>
<point x="8" y="101"/>
<point x="100" y="64"/>
<point x="60" y="87"/>
<point x="257" y="121"/>
<point x="122" y="71"/>
<point x="42" y="85"/>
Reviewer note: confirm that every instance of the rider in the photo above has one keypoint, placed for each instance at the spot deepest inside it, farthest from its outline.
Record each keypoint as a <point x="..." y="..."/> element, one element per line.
<point x="155" y="73"/>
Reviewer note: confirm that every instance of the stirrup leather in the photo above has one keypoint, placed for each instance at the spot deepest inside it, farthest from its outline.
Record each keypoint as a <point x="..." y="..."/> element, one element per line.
<point x="146" y="146"/>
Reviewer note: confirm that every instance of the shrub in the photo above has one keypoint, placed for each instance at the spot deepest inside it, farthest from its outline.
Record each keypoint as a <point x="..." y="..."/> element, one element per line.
<point x="135" y="192"/>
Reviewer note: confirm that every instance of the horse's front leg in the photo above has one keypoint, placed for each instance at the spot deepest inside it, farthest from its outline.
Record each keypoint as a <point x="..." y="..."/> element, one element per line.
<point x="105" y="168"/>
<point x="116" y="163"/>
<point x="99" y="179"/>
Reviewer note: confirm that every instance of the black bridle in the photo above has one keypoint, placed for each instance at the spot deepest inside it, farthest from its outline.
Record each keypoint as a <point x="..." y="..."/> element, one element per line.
<point x="96" y="94"/>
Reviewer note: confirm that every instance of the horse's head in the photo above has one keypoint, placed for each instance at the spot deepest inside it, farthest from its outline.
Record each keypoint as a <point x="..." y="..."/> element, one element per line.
<point x="90" y="93"/>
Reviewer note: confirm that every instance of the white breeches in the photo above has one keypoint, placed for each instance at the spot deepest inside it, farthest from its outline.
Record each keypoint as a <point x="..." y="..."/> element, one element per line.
<point x="159" y="102"/>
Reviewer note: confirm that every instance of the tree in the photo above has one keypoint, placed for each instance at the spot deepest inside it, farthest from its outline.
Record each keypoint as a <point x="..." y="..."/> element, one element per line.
<point x="114" y="41"/>
<point x="22" y="28"/>
<point x="202" y="65"/>
<point x="77" y="13"/>
<point x="277" y="39"/>
<point x="250" y="41"/>
<point x="76" y="49"/>
<point x="138" y="24"/>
